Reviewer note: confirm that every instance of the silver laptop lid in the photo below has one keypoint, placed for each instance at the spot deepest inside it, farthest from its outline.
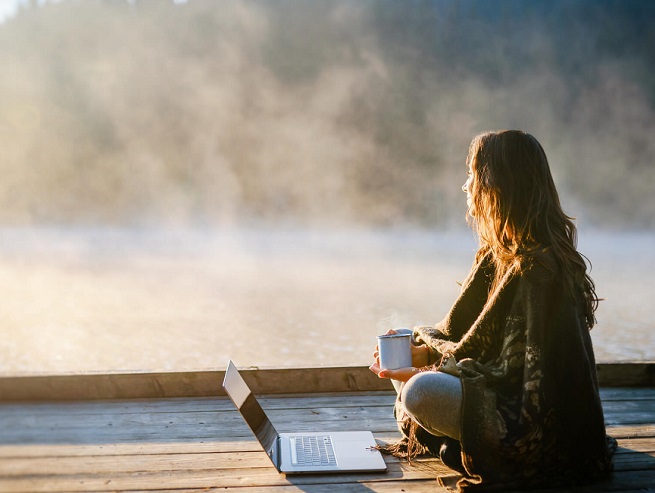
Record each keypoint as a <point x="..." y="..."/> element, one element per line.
<point x="252" y="412"/>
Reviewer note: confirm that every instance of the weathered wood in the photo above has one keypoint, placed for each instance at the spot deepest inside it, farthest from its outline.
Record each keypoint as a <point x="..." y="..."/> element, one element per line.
<point x="196" y="404"/>
<point x="639" y="456"/>
<point x="262" y="381"/>
<point x="643" y="444"/>
<point x="109" y="464"/>
<point x="202" y="418"/>
<point x="196" y="419"/>
<point x="187" y="384"/>
<point x="401" y="474"/>
<point x="245" y="444"/>
<point x="635" y="374"/>
<point x="415" y="486"/>
<point x="627" y="393"/>
<point x="213" y="403"/>
<point x="89" y="480"/>
<point x="629" y="411"/>
<point x="193" y="444"/>
<point x="632" y="431"/>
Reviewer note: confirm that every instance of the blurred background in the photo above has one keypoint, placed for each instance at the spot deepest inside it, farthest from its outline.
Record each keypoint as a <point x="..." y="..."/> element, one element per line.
<point x="279" y="181"/>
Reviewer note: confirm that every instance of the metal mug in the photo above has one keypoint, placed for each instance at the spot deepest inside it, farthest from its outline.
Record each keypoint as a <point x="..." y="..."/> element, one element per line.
<point x="395" y="351"/>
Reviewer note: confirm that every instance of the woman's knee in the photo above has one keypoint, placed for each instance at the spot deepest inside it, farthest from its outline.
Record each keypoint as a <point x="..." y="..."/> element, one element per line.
<point x="431" y="385"/>
<point x="416" y="393"/>
<point x="434" y="400"/>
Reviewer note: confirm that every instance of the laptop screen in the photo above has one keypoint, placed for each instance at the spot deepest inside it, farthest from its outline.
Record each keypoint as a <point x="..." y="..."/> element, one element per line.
<point x="252" y="412"/>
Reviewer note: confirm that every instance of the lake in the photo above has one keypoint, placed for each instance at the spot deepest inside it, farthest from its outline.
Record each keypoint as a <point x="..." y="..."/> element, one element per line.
<point x="99" y="299"/>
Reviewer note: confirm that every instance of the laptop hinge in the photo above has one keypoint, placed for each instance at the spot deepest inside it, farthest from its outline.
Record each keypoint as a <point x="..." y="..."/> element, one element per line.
<point x="276" y="454"/>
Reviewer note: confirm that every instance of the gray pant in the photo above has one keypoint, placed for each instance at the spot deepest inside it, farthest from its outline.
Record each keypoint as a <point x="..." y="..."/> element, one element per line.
<point x="434" y="400"/>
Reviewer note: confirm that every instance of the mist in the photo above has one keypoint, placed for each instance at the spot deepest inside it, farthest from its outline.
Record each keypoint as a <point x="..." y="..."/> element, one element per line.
<point x="316" y="113"/>
<point x="182" y="178"/>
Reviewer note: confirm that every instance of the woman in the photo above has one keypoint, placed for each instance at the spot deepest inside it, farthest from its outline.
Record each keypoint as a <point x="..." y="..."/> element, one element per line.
<point x="504" y="389"/>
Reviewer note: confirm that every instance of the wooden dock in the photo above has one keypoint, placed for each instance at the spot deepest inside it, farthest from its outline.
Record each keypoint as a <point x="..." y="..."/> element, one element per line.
<point x="178" y="432"/>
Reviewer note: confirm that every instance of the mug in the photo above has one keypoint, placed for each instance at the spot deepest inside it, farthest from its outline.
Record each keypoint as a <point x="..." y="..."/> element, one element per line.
<point x="395" y="351"/>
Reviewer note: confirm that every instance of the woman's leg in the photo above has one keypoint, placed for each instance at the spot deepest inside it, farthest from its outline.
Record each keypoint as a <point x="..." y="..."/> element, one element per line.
<point x="434" y="400"/>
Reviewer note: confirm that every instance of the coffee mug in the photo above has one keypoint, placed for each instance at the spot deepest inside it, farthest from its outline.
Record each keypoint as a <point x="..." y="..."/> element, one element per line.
<point x="395" y="351"/>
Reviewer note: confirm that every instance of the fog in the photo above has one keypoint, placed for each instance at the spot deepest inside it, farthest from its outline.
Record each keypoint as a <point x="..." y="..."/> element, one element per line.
<point x="316" y="113"/>
<point x="92" y="300"/>
<point x="278" y="181"/>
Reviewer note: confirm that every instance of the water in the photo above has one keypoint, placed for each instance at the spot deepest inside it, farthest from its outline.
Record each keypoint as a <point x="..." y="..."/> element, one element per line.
<point x="92" y="300"/>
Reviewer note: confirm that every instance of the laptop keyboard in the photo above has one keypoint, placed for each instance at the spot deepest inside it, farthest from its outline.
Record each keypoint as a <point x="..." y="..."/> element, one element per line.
<point x="312" y="451"/>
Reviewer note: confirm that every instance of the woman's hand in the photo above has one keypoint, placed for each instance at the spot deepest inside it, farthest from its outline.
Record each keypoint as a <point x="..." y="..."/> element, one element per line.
<point x="419" y="359"/>
<point x="420" y="355"/>
<point x="400" y="374"/>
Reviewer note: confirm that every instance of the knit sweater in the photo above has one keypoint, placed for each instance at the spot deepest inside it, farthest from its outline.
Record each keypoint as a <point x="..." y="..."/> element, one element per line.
<point x="531" y="411"/>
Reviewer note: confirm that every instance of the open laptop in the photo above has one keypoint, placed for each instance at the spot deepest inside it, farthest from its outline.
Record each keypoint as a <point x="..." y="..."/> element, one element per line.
<point x="293" y="453"/>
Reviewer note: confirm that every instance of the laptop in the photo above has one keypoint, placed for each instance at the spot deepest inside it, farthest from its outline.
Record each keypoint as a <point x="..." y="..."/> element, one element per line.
<point x="295" y="453"/>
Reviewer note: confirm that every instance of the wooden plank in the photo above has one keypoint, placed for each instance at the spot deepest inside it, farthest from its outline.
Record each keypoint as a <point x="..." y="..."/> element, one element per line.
<point x="139" y="424"/>
<point x="626" y="445"/>
<point x="187" y="426"/>
<point x="109" y="421"/>
<point x="637" y="461"/>
<point x="399" y="474"/>
<point x="134" y="435"/>
<point x="427" y="485"/>
<point x="413" y="486"/>
<point x="206" y="424"/>
<point x="416" y="486"/>
<point x="185" y="478"/>
<point x="40" y="450"/>
<point x="644" y="444"/>
<point x="618" y="419"/>
<point x="108" y="464"/>
<point x="187" y="384"/>
<point x="200" y="423"/>
<point x="625" y="460"/>
<point x="131" y="436"/>
<point x="246" y="444"/>
<point x="197" y="404"/>
<point x="212" y="404"/>
<point x="627" y="412"/>
<point x="619" y="482"/>
<point x="202" y="418"/>
<point x="631" y="431"/>
<point x="136" y="385"/>
<point x="608" y="394"/>
<point x="188" y="460"/>
<point x="626" y="374"/>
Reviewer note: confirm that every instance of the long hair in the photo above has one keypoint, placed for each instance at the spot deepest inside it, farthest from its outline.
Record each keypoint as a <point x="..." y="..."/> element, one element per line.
<point x="517" y="214"/>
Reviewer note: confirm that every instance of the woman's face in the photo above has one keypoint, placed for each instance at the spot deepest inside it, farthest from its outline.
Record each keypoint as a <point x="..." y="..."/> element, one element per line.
<point x="466" y="188"/>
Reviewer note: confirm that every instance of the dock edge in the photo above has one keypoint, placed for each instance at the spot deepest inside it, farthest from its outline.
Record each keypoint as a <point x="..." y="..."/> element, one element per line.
<point x="207" y="383"/>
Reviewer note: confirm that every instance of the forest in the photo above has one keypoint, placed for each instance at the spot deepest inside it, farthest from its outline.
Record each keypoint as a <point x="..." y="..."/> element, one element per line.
<point x="317" y="113"/>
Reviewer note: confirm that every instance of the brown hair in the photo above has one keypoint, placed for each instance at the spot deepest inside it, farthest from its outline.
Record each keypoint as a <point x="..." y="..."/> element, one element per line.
<point x="517" y="214"/>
